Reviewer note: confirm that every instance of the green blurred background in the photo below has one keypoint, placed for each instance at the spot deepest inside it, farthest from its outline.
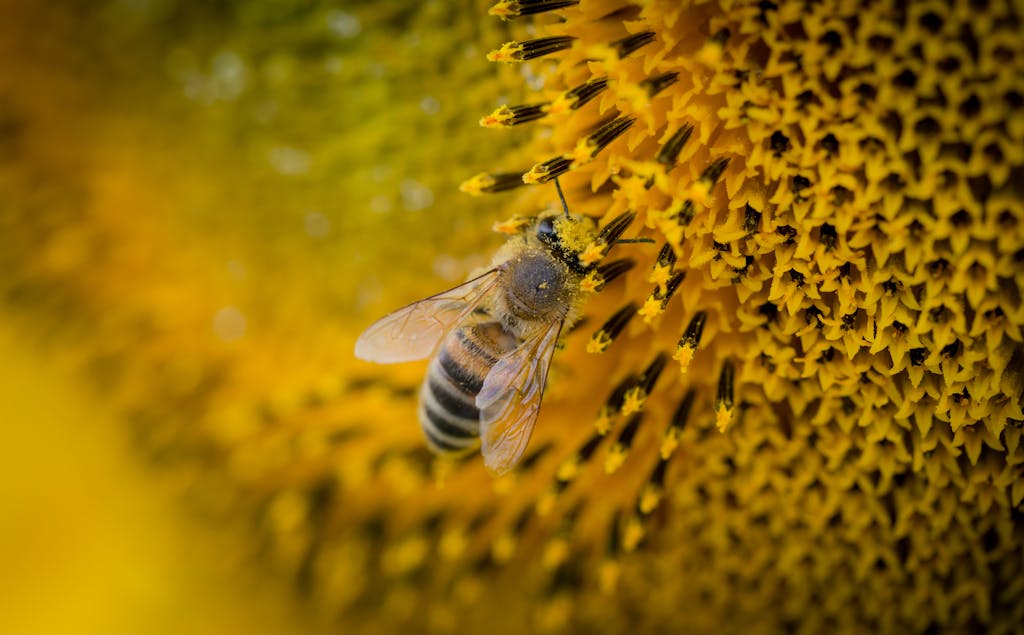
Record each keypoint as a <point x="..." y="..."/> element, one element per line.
<point x="200" y="200"/>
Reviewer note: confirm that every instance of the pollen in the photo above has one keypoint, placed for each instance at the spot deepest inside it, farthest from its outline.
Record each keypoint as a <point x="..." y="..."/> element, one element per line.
<point x="651" y="308"/>
<point x="509" y="52"/>
<point x="489" y="183"/>
<point x="684" y="355"/>
<point x="660" y="275"/>
<point x="634" y="400"/>
<point x="616" y="457"/>
<point x="650" y="498"/>
<point x="514" y="52"/>
<point x="604" y="421"/>
<point x="634" y="534"/>
<point x="593" y="254"/>
<point x="506" y="116"/>
<point x="599" y="342"/>
<point x="723" y="417"/>
<point x="514" y="225"/>
<point x="592" y="282"/>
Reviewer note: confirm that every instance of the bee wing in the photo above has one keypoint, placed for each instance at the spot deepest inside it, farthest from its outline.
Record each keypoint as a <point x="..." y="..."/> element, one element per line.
<point x="414" y="331"/>
<point x="509" y="400"/>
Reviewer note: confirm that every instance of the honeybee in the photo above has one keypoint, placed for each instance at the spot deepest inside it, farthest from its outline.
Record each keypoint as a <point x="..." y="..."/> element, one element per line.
<point x="492" y="338"/>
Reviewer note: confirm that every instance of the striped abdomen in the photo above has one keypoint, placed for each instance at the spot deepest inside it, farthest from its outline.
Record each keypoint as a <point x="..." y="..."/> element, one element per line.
<point x="448" y="412"/>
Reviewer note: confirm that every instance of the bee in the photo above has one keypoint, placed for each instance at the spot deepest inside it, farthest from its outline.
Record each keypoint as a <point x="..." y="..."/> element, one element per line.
<point x="491" y="339"/>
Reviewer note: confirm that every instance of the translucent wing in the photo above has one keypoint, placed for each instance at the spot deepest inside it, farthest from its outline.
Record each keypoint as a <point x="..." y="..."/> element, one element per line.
<point x="509" y="400"/>
<point x="414" y="331"/>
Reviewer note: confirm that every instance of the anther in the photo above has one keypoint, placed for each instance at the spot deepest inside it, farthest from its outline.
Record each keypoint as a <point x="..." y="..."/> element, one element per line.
<point x="690" y="340"/>
<point x="547" y="170"/>
<point x="658" y="83"/>
<point x="575" y="98"/>
<point x="636" y="396"/>
<point x="614" y="229"/>
<point x="516" y="8"/>
<point x="609" y="570"/>
<point x="664" y="267"/>
<point x="613" y="405"/>
<point x="570" y="468"/>
<point x="751" y="219"/>
<point x="504" y="546"/>
<point x="514" y="225"/>
<point x="634" y="533"/>
<point x="669" y="151"/>
<point x="604" y="274"/>
<point x="507" y="116"/>
<point x="713" y="172"/>
<point x="629" y="44"/>
<point x="491" y="183"/>
<point x="589" y="147"/>
<point x="512" y="52"/>
<point x="651" y="494"/>
<point x="618" y="452"/>
<point x="604" y="336"/>
<point x="658" y="300"/>
<point x="724" y="399"/>
<point x="670" y="440"/>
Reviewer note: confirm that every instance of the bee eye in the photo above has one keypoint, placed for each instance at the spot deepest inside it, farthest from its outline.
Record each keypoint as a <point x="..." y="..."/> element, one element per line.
<point x="546" y="229"/>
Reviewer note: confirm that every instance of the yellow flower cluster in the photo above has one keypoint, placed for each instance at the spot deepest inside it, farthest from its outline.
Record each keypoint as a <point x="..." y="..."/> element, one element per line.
<point x="838" y="195"/>
<point x="799" y="410"/>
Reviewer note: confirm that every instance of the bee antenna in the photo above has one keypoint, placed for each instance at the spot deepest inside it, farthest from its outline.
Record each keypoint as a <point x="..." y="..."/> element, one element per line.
<point x="561" y="197"/>
<point x="634" y="240"/>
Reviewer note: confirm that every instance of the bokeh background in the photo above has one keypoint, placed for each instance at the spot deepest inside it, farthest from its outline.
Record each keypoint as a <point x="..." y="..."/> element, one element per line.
<point x="200" y="200"/>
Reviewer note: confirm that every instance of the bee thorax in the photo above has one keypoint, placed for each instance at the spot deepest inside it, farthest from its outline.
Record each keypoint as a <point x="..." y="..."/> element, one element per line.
<point x="537" y="286"/>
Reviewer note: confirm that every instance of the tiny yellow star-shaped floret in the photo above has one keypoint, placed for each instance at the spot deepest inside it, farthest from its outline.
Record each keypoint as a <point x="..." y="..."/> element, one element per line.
<point x="510" y="52"/>
<point x="592" y="282"/>
<point x="583" y="153"/>
<point x="593" y="253"/>
<point x="513" y="225"/>
<point x="505" y="9"/>
<point x="503" y="547"/>
<point x="651" y="309"/>
<point x="500" y="118"/>
<point x="559" y="105"/>
<point x="568" y="470"/>
<point x="660" y="275"/>
<point x="650" y="498"/>
<point x="603" y="423"/>
<point x="634" y="400"/>
<point x="555" y="554"/>
<point x="699" y="192"/>
<point x="633" y="534"/>
<point x="616" y="457"/>
<point x="683" y="355"/>
<point x="599" y="342"/>
<point x="723" y="417"/>
<point x="669" y="443"/>
<point x="546" y="502"/>
<point x="477" y="185"/>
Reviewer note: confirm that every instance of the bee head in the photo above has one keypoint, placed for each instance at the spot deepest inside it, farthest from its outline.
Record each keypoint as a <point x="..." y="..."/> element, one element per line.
<point x="565" y="237"/>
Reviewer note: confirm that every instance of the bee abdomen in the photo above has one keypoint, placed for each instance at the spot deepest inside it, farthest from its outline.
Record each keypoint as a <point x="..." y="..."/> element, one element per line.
<point x="448" y="415"/>
<point x="454" y="402"/>
<point x="448" y="412"/>
<point x="458" y="374"/>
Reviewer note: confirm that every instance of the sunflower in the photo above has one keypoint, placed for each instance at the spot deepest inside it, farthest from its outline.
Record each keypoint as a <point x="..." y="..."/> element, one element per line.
<point x="798" y="410"/>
